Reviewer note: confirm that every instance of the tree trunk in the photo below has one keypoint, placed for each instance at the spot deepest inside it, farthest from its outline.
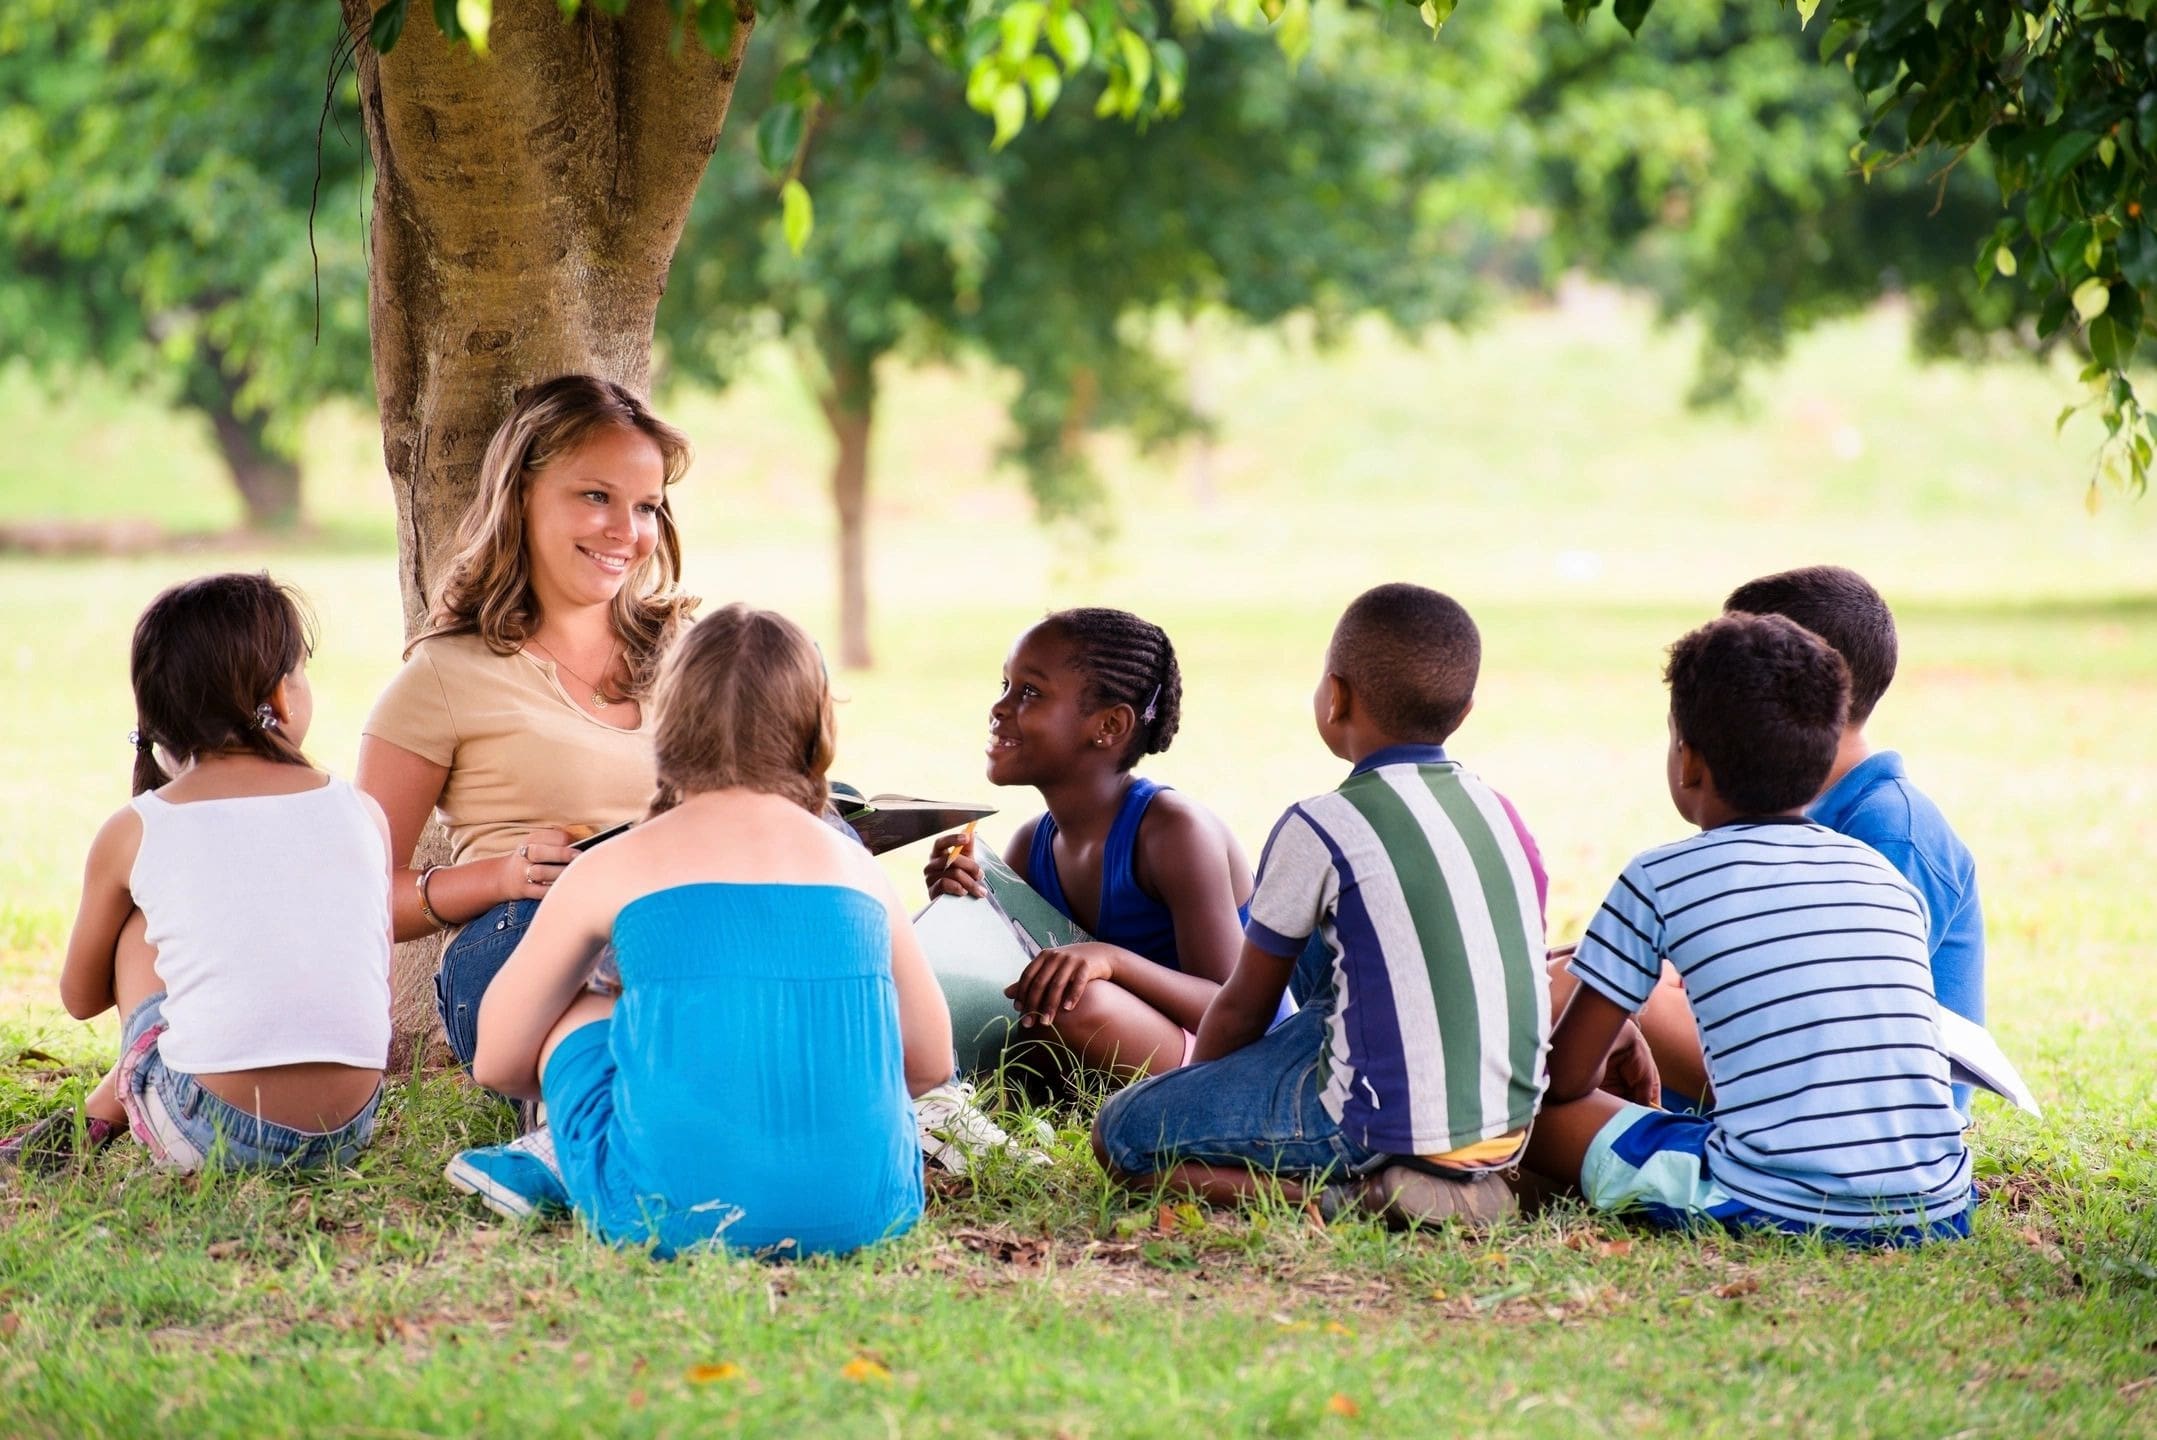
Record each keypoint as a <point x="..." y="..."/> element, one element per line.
<point x="269" y="483"/>
<point x="849" y="405"/>
<point x="526" y="208"/>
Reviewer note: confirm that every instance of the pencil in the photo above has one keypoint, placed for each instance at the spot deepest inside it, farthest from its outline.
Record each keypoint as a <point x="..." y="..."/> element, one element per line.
<point x="966" y="838"/>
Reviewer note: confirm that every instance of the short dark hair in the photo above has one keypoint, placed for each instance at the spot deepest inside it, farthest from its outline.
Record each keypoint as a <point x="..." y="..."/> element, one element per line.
<point x="207" y="655"/>
<point x="1411" y="656"/>
<point x="1763" y="700"/>
<point x="1124" y="660"/>
<point x="1841" y="607"/>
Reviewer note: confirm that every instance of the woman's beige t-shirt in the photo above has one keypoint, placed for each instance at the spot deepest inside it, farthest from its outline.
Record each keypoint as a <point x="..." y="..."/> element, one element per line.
<point x="521" y="755"/>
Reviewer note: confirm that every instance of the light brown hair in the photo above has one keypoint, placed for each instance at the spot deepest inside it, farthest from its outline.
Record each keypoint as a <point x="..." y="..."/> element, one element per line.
<point x="744" y="700"/>
<point x="487" y="589"/>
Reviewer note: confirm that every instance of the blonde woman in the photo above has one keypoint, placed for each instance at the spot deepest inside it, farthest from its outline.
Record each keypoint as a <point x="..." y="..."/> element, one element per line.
<point x="519" y="714"/>
<point x="750" y="1085"/>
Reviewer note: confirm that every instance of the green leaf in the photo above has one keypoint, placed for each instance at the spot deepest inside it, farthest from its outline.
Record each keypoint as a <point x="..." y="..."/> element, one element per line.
<point x="1071" y="39"/>
<point x="1043" y="81"/>
<point x="2003" y="260"/>
<point x="2067" y="152"/>
<point x="1436" y="12"/>
<point x="1009" y="110"/>
<point x="2092" y="297"/>
<point x="1837" y="32"/>
<point x="1170" y="67"/>
<point x="716" y="24"/>
<point x="1292" y="31"/>
<point x="1806" y="10"/>
<point x="2107" y="151"/>
<point x="2067" y="413"/>
<point x="1631" y="13"/>
<point x="797" y="215"/>
<point x="778" y="137"/>
<point x="476" y="17"/>
<point x="1021" y="28"/>
<point x="1137" y="59"/>
<point x="388" y="25"/>
<point x="445" y="20"/>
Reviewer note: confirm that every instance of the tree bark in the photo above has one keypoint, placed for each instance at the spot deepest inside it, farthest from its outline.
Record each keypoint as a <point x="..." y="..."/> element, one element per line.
<point x="849" y="405"/>
<point x="526" y="208"/>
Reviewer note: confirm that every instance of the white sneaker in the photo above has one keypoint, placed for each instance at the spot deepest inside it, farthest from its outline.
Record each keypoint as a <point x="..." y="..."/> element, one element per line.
<point x="955" y="1131"/>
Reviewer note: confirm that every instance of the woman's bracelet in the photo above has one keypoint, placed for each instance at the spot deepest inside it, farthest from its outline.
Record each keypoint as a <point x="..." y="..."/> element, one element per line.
<point x="419" y="883"/>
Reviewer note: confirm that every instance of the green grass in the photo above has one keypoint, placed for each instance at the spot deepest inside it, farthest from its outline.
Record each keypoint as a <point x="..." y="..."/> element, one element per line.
<point x="1542" y="471"/>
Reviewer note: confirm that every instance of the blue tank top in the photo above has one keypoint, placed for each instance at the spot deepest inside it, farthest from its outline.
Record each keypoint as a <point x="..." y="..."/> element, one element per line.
<point x="778" y="1001"/>
<point x="1128" y="916"/>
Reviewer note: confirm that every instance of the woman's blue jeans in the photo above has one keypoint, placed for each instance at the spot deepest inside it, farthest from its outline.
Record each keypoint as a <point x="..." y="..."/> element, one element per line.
<point x="469" y="965"/>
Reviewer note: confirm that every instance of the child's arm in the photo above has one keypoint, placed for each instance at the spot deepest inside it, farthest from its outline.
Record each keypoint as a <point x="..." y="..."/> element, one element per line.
<point x="86" y="973"/>
<point x="1245" y="1006"/>
<point x="1581" y="1043"/>
<point x="544" y="975"/>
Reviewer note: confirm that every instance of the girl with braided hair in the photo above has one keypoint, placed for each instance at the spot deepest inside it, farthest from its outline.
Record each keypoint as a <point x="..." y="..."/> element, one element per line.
<point x="1154" y="876"/>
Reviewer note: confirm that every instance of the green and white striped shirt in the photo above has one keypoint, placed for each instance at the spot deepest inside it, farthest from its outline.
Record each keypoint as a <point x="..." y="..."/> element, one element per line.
<point x="1416" y="877"/>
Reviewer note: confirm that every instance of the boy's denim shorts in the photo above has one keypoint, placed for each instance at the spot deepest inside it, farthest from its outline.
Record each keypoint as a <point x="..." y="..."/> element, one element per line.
<point x="183" y="1125"/>
<point x="1258" y="1107"/>
<point x="1652" y="1164"/>
<point x="469" y="964"/>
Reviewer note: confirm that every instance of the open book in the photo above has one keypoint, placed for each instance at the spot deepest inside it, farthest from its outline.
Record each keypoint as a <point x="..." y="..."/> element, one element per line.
<point x="1975" y="1058"/>
<point x="887" y="822"/>
<point x="976" y="947"/>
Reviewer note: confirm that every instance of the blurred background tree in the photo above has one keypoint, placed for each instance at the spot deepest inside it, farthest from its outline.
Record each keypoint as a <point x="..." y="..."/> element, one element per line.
<point x="158" y="166"/>
<point x="1330" y="191"/>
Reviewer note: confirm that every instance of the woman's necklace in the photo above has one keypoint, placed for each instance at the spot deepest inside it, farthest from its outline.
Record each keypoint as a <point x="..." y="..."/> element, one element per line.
<point x="600" y="699"/>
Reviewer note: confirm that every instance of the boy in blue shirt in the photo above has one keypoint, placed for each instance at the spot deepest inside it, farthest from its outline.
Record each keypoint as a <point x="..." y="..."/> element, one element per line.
<point x="1803" y="958"/>
<point x="1868" y="795"/>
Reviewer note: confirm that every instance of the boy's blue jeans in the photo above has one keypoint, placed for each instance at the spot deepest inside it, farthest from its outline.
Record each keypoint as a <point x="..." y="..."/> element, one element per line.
<point x="1258" y="1107"/>
<point x="469" y="965"/>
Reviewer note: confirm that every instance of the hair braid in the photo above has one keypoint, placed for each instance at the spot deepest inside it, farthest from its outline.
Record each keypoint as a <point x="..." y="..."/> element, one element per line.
<point x="1127" y="661"/>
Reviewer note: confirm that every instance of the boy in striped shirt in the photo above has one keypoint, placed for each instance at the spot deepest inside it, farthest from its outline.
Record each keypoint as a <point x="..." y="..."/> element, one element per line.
<point x="1410" y="1082"/>
<point x="1803" y="957"/>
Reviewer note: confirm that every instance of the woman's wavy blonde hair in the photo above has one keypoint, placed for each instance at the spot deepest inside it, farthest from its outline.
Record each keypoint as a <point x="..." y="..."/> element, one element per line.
<point x="744" y="701"/>
<point x="487" y="589"/>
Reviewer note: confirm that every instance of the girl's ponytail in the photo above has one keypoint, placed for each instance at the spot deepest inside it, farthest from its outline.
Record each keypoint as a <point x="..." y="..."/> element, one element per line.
<point x="147" y="774"/>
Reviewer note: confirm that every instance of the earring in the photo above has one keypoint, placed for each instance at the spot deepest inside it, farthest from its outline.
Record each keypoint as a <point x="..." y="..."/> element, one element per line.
<point x="265" y="717"/>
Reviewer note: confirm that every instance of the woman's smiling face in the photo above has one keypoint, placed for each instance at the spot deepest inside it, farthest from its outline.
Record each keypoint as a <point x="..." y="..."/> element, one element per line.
<point x="592" y="517"/>
<point x="1039" y="724"/>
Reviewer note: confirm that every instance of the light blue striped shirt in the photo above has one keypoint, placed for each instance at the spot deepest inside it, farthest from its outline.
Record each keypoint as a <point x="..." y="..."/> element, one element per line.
<point x="1803" y="954"/>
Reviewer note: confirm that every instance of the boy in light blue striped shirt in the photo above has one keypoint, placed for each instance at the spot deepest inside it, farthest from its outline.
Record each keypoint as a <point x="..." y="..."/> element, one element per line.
<point x="1803" y="956"/>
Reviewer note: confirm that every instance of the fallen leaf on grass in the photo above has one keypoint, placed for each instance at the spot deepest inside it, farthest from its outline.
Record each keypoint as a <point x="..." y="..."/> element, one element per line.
<point x="1439" y="1293"/>
<point x="636" y="1399"/>
<point x="1287" y="1322"/>
<point x="1743" y="1285"/>
<point x="225" y="1249"/>
<point x="2126" y="1392"/>
<point x="1494" y="1257"/>
<point x="861" y="1370"/>
<point x="1339" y="1404"/>
<point x="712" y="1374"/>
<point x="11" y="1322"/>
<point x="1335" y="1327"/>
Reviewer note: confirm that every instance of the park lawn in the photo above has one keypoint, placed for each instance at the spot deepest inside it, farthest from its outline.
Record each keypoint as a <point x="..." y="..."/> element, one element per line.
<point x="1543" y="472"/>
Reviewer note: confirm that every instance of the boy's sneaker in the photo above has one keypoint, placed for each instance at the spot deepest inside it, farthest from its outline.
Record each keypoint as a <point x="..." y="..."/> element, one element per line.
<point x="45" y="1146"/>
<point x="520" y="1180"/>
<point x="955" y="1131"/>
<point x="1404" y="1195"/>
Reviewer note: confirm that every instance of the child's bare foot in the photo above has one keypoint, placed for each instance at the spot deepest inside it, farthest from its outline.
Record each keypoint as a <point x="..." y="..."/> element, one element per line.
<point x="45" y="1146"/>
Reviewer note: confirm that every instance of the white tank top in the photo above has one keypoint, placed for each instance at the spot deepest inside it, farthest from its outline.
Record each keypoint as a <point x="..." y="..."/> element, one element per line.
<point x="270" y="914"/>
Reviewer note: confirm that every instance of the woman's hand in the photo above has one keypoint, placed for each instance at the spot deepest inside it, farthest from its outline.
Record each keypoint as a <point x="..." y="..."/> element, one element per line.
<point x="529" y="871"/>
<point x="952" y="868"/>
<point x="1054" y="979"/>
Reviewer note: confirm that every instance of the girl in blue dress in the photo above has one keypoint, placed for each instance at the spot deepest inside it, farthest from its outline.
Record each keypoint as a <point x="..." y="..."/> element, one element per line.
<point x="750" y="1084"/>
<point x="1154" y="876"/>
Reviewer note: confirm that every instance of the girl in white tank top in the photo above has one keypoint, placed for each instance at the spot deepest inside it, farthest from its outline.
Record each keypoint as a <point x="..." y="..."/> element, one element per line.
<point x="237" y="915"/>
